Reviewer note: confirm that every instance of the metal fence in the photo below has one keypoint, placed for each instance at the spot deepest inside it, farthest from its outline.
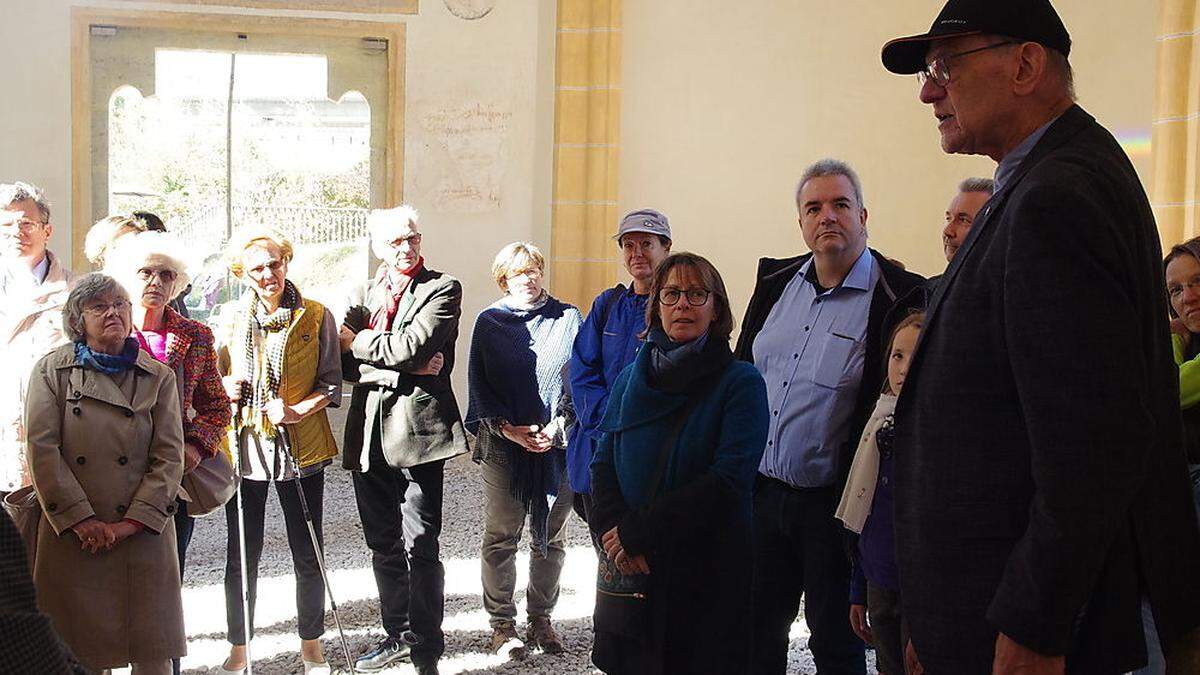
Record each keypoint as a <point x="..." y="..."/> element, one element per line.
<point x="205" y="228"/>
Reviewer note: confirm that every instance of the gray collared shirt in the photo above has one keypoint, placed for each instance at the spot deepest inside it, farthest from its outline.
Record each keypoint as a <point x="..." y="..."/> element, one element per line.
<point x="1008" y="165"/>
<point x="810" y="353"/>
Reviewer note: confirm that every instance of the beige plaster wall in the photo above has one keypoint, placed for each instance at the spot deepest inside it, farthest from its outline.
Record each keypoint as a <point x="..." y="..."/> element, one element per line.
<point x="723" y="109"/>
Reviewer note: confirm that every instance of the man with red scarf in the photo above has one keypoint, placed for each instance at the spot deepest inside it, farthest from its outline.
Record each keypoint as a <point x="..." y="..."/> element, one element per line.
<point x="403" y="424"/>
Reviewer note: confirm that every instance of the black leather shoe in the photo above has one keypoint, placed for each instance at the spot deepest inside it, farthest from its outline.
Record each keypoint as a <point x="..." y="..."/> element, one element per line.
<point x="390" y="650"/>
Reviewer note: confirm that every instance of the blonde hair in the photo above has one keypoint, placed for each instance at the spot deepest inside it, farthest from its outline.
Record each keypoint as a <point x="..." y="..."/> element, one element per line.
<point x="517" y="257"/>
<point x="249" y="235"/>
<point x="107" y="230"/>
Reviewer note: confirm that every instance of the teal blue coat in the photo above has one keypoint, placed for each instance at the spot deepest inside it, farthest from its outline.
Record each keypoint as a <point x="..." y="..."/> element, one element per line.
<point x="696" y="533"/>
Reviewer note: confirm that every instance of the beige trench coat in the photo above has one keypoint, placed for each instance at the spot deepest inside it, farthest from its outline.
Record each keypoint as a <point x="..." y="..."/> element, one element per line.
<point x="93" y="453"/>
<point x="30" y="327"/>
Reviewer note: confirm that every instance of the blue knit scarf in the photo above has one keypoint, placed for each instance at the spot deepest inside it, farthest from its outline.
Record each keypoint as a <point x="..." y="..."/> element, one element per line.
<point x="107" y="363"/>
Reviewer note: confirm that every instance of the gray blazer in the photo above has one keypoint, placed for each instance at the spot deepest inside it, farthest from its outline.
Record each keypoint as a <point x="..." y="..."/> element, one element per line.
<point x="417" y="416"/>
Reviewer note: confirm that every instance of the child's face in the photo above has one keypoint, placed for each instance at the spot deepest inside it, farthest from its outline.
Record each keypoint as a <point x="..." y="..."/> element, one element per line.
<point x="902" y="349"/>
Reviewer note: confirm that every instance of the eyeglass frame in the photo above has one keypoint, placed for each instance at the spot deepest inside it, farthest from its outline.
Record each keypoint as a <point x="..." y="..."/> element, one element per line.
<point x="413" y="238"/>
<point x="102" y="308"/>
<point x="683" y="293"/>
<point x="26" y="224"/>
<point x="927" y="73"/>
<point x="146" y="274"/>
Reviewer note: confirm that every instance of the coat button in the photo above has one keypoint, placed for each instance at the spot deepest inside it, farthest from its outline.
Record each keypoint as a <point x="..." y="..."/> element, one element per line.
<point x="122" y="460"/>
<point x="77" y="410"/>
<point x="170" y="508"/>
<point x="121" y="509"/>
<point x="81" y="460"/>
<point x="52" y="507"/>
<point x="129" y="413"/>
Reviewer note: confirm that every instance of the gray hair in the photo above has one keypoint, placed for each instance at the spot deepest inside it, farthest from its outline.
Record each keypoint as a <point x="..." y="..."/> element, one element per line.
<point x="978" y="185"/>
<point x="1061" y="66"/>
<point x="11" y="193"/>
<point x="86" y="288"/>
<point x="831" y="167"/>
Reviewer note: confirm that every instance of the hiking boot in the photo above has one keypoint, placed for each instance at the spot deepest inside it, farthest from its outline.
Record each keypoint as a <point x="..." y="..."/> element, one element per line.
<point x="541" y="634"/>
<point x="505" y="642"/>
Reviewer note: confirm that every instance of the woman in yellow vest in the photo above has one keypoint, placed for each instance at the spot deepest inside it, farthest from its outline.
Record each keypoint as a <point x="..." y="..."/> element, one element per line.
<point x="283" y="370"/>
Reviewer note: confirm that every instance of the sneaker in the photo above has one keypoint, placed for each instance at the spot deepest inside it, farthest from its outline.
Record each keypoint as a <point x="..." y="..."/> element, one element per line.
<point x="541" y="634"/>
<point x="390" y="650"/>
<point x="505" y="641"/>
<point x="425" y="666"/>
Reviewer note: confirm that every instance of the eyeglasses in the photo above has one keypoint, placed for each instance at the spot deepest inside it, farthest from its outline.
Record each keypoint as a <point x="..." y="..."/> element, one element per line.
<point x="696" y="297"/>
<point x="167" y="276"/>
<point x="411" y="239"/>
<point x="1176" y="290"/>
<point x="938" y="69"/>
<point x="102" y="308"/>
<point x="25" y="224"/>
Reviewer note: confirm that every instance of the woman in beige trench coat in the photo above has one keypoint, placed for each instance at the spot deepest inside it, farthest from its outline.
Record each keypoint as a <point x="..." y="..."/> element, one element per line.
<point x="106" y="456"/>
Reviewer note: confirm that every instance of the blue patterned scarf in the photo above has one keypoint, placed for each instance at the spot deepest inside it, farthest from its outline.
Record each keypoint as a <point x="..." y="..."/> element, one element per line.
<point x="107" y="363"/>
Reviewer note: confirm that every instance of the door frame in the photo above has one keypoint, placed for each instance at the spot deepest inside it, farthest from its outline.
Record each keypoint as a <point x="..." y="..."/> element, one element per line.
<point x="83" y="18"/>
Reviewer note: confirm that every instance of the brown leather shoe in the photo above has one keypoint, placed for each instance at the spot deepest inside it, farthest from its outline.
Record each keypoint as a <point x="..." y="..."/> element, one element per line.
<point x="541" y="634"/>
<point x="505" y="641"/>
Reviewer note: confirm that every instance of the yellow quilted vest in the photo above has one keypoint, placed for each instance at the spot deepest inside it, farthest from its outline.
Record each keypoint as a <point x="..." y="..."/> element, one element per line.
<point x="312" y="437"/>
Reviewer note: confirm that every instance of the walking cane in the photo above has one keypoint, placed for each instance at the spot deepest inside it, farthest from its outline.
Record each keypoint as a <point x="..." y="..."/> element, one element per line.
<point x="236" y="446"/>
<point x="286" y="441"/>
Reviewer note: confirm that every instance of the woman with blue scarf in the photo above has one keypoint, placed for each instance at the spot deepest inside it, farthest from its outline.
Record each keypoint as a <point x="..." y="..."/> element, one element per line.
<point x="105" y="449"/>
<point x="519" y="349"/>
<point x="671" y="486"/>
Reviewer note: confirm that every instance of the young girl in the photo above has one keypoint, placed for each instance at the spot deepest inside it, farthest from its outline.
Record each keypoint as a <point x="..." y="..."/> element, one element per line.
<point x="866" y="509"/>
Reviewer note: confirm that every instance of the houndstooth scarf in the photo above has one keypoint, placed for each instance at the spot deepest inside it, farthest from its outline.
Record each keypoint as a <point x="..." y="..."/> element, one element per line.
<point x="265" y="340"/>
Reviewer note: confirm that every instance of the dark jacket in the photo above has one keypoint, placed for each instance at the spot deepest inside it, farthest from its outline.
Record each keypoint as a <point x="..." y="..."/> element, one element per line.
<point x="892" y="300"/>
<point x="1040" y="478"/>
<point x="418" y="414"/>
<point x="696" y="534"/>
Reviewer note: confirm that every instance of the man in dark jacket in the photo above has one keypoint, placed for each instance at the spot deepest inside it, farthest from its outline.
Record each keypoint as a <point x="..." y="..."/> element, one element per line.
<point x="1041" y="489"/>
<point x="815" y="328"/>
<point x="402" y="426"/>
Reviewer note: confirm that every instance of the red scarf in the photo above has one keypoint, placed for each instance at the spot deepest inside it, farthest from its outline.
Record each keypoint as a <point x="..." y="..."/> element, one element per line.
<point x="384" y="316"/>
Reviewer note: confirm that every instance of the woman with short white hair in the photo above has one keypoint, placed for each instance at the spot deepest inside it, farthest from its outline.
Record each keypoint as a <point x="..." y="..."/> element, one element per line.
<point x="520" y="416"/>
<point x="153" y="269"/>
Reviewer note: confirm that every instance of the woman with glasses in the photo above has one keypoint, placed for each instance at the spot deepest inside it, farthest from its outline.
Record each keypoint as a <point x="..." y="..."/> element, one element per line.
<point x="151" y="266"/>
<point x="105" y="444"/>
<point x="672" y="482"/>
<point x="519" y="350"/>
<point x="284" y="368"/>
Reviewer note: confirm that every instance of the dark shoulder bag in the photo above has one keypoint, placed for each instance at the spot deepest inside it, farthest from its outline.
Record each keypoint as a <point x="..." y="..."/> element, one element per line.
<point x="621" y="600"/>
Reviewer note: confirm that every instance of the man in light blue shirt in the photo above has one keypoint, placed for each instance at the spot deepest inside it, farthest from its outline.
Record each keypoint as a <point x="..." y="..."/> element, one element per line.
<point x="815" y="328"/>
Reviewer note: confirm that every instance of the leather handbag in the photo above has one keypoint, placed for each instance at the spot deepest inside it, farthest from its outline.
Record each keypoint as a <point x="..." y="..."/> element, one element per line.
<point x="210" y="485"/>
<point x="23" y="507"/>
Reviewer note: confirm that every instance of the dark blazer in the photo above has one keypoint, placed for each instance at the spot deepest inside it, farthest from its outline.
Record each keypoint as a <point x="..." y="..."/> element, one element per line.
<point x="893" y="299"/>
<point x="418" y="415"/>
<point x="1038" y="457"/>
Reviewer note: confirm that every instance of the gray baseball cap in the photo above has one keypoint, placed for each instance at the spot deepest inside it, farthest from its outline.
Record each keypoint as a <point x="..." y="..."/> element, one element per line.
<point x="644" y="220"/>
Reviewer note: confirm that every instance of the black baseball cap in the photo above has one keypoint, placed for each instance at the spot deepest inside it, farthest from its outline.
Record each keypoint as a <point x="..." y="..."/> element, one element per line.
<point x="1025" y="20"/>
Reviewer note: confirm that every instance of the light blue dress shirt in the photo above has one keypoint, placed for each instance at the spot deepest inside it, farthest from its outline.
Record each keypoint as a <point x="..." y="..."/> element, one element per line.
<point x="810" y="352"/>
<point x="1008" y="165"/>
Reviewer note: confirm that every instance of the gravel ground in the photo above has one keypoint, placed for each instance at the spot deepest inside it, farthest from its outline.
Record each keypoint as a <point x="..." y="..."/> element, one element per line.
<point x="276" y="646"/>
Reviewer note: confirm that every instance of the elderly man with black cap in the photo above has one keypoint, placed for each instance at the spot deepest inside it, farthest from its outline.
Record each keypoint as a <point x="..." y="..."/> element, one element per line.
<point x="609" y="340"/>
<point x="1041" y="487"/>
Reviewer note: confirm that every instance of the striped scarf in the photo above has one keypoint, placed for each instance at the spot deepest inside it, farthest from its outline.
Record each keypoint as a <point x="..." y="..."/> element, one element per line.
<point x="265" y="339"/>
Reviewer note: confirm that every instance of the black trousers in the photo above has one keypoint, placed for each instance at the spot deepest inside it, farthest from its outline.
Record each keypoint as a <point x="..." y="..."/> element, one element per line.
<point x="310" y="587"/>
<point x="401" y="513"/>
<point x="799" y="550"/>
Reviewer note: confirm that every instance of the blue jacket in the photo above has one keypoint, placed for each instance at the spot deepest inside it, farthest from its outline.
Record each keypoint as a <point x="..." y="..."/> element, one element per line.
<point x="607" y="342"/>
